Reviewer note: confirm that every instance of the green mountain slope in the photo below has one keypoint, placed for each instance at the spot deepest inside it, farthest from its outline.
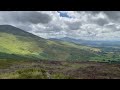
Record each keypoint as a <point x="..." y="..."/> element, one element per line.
<point x="17" y="44"/>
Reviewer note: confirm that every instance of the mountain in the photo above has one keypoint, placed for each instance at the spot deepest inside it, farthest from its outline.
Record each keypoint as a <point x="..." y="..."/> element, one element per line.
<point x="77" y="41"/>
<point x="65" y="39"/>
<point x="19" y="44"/>
<point x="93" y="43"/>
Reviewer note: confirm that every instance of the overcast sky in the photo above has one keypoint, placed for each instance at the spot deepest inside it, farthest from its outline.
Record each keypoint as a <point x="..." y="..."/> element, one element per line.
<point x="90" y="25"/>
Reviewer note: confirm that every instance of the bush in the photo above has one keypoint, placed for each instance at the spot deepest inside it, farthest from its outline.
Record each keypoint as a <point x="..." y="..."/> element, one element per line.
<point x="33" y="74"/>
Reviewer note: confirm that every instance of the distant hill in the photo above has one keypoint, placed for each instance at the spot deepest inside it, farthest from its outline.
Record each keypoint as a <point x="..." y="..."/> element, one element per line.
<point x="19" y="44"/>
<point x="93" y="43"/>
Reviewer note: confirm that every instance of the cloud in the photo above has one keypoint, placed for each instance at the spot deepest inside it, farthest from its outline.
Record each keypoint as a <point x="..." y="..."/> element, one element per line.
<point x="113" y="15"/>
<point x="25" y="17"/>
<point x="92" y="25"/>
<point x="101" y="22"/>
<point x="73" y="25"/>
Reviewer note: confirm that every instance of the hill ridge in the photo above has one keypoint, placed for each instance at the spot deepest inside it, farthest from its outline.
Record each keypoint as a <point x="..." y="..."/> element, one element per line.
<point x="17" y="41"/>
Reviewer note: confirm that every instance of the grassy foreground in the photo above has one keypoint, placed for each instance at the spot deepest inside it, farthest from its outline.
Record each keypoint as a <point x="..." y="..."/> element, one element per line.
<point x="14" y="69"/>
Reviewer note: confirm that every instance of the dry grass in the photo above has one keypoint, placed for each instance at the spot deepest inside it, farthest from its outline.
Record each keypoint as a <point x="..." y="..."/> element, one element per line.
<point x="59" y="70"/>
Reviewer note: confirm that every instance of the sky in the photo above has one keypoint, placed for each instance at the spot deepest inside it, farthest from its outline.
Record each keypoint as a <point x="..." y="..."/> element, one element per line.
<point x="87" y="25"/>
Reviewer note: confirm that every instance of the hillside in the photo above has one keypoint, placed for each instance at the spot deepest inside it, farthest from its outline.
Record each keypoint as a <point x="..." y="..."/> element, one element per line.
<point x="19" y="44"/>
<point x="35" y="69"/>
<point x="27" y="56"/>
<point x="92" y="43"/>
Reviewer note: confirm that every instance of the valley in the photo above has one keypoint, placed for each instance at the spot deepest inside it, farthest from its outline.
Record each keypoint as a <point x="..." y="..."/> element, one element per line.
<point x="27" y="56"/>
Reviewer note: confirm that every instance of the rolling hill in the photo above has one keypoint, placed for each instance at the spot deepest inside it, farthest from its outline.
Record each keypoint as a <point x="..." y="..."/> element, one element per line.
<point x="19" y="44"/>
<point x="92" y="43"/>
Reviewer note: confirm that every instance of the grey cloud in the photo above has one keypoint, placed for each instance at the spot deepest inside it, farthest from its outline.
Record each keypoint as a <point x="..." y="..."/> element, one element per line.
<point x="73" y="25"/>
<point x="98" y="21"/>
<point x="101" y="22"/>
<point x="114" y="15"/>
<point x="112" y="28"/>
<point x="93" y="12"/>
<point x="35" y="17"/>
<point x="50" y="28"/>
<point x="55" y="28"/>
<point x="25" y="17"/>
<point x="90" y="12"/>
